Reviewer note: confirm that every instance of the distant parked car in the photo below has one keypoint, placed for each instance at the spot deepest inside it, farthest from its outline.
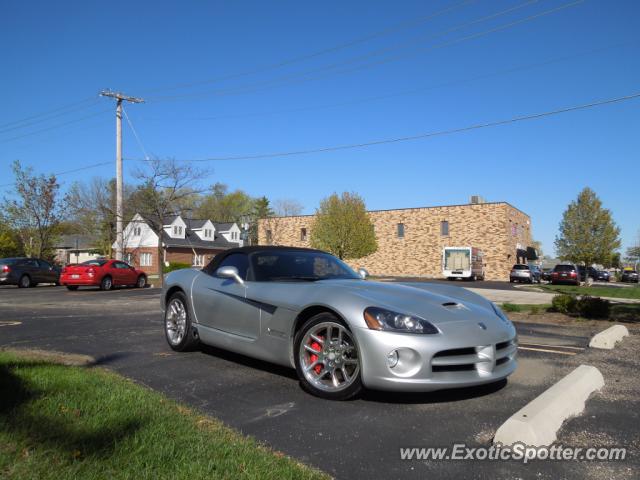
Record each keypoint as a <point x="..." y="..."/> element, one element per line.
<point x="589" y="272"/>
<point x="523" y="273"/>
<point x="546" y="274"/>
<point x="565" y="273"/>
<point x="629" y="276"/>
<point x="602" y="276"/>
<point x="102" y="273"/>
<point x="27" y="272"/>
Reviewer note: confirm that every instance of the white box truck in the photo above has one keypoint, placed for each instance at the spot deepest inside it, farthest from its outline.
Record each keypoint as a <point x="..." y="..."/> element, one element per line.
<point x="463" y="262"/>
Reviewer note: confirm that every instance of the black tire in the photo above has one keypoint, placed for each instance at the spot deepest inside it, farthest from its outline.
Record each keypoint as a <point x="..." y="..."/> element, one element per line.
<point x="73" y="288"/>
<point x="106" y="283"/>
<point x="24" y="282"/>
<point x="353" y="389"/>
<point x="142" y="282"/>
<point x="190" y="339"/>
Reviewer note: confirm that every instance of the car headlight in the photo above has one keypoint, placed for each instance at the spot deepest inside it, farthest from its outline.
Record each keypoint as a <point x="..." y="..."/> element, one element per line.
<point x="382" y="319"/>
<point x="500" y="314"/>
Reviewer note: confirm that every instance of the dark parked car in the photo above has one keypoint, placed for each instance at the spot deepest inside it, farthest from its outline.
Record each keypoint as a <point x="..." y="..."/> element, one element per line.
<point x="565" y="273"/>
<point x="602" y="276"/>
<point x="27" y="272"/>
<point x="629" y="276"/>
<point x="546" y="274"/>
<point x="590" y="271"/>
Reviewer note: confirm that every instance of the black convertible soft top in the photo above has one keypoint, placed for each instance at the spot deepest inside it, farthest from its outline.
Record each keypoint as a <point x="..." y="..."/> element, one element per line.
<point x="215" y="261"/>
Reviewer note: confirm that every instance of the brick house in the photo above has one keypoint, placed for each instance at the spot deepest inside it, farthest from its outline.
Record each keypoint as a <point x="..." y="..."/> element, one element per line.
<point x="411" y="240"/>
<point x="194" y="242"/>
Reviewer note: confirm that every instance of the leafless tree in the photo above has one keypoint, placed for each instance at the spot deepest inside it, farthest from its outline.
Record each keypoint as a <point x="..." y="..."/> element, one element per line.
<point x="165" y="186"/>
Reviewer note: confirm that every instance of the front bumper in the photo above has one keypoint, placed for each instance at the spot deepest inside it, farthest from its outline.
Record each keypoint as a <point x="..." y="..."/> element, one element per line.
<point x="436" y="362"/>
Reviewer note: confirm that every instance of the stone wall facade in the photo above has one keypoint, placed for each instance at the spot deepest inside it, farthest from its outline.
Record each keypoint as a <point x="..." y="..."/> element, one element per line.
<point x="498" y="229"/>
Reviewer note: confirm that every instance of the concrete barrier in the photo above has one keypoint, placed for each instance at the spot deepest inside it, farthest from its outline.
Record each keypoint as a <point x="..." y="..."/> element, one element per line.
<point x="537" y="423"/>
<point x="608" y="338"/>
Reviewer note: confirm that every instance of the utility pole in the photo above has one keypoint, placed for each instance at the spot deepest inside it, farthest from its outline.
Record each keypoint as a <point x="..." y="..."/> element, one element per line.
<point x="119" y="207"/>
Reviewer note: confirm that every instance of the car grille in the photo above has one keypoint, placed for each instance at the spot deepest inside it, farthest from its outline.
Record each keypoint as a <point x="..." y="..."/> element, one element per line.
<point x="482" y="359"/>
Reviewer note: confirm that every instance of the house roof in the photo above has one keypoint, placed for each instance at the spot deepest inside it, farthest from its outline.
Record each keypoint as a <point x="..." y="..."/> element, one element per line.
<point x="224" y="226"/>
<point x="192" y="240"/>
<point x="76" y="242"/>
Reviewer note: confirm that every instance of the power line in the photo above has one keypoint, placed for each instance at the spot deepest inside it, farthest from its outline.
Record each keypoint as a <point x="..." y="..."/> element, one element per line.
<point x="437" y="133"/>
<point x="414" y="90"/>
<point x="299" y="76"/>
<point x="135" y="134"/>
<point x="66" y="172"/>
<point x="47" y="118"/>
<point x="54" y="126"/>
<point x="387" y="31"/>
<point x="49" y="112"/>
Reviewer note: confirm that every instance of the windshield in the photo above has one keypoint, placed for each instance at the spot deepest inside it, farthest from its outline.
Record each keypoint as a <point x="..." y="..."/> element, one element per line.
<point x="270" y="266"/>
<point x="564" y="268"/>
<point x="97" y="263"/>
<point x="520" y="267"/>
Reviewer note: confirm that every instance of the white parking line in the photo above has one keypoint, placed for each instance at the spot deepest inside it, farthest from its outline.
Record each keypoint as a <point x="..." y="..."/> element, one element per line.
<point x="547" y="351"/>
<point x="9" y="324"/>
<point x="552" y="346"/>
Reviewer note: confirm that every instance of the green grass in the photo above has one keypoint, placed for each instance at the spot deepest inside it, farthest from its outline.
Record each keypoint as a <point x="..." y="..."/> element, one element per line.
<point x="611" y="292"/>
<point x="64" y="422"/>
<point x="525" y="308"/>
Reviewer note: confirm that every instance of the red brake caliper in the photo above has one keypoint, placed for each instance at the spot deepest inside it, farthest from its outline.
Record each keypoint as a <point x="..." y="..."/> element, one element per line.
<point x="313" y="357"/>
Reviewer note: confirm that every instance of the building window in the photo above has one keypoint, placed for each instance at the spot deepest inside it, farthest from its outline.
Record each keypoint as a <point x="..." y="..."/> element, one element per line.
<point x="207" y="233"/>
<point x="401" y="230"/>
<point x="137" y="231"/>
<point x="145" y="260"/>
<point x="444" y="228"/>
<point x="198" y="260"/>
<point x="177" y="230"/>
<point x="128" y="257"/>
<point x="303" y="234"/>
<point x="269" y="236"/>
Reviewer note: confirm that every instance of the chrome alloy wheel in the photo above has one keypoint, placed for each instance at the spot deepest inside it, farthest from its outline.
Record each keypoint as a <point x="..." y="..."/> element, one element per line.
<point x="329" y="357"/>
<point x="176" y="321"/>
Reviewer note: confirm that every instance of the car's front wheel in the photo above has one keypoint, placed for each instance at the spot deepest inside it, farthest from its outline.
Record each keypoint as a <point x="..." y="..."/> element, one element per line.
<point x="326" y="358"/>
<point x="106" y="283"/>
<point x="178" y="328"/>
<point x="142" y="281"/>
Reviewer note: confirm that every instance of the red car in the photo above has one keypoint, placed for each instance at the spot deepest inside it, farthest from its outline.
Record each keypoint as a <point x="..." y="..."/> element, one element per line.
<point x="102" y="273"/>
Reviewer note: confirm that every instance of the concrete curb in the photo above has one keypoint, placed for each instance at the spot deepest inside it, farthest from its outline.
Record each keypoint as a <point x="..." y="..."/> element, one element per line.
<point x="608" y="338"/>
<point x="537" y="423"/>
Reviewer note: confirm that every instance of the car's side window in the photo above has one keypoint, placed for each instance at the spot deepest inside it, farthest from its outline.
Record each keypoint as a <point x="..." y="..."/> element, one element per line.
<point x="44" y="264"/>
<point x="238" y="260"/>
<point x="121" y="265"/>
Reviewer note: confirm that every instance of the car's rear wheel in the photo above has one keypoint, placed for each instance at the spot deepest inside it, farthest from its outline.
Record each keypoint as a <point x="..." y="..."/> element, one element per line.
<point x="24" y="282"/>
<point x="142" y="281"/>
<point x="178" y="328"/>
<point x="106" y="283"/>
<point x="73" y="288"/>
<point x="326" y="358"/>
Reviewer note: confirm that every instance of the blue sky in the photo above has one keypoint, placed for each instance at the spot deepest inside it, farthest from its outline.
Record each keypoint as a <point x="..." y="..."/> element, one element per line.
<point x="218" y="82"/>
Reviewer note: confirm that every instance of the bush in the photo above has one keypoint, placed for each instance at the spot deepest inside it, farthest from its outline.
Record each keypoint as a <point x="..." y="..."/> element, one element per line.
<point x="175" y="266"/>
<point x="564" y="304"/>
<point x="593" y="307"/>
<point x="510" y="307"/>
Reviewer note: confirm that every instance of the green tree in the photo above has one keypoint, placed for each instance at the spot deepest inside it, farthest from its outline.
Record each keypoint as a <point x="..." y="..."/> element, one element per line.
<point x="33" y="213"/>
<point x="587" y="231"/>
<point x="9" y="242"/>
<point x="342" y="227"/>
<point x="261" y="209"/>
<point x="632" y="254"/>
<point x="220" y="205"/>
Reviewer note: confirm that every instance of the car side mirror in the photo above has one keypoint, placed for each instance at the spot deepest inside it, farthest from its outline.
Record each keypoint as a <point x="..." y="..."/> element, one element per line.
<point x="231" y="273"/>
<point x="363" y="273"/>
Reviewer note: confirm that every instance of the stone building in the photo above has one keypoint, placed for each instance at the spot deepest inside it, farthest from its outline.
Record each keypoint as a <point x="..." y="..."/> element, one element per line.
<point x="411" y="240"/>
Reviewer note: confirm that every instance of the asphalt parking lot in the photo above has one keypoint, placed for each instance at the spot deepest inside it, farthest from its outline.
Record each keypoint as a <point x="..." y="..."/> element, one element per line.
<point x="353" y="439"/>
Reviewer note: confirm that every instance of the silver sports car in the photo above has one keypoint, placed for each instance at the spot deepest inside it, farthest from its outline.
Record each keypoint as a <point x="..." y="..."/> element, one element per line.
<point x="308" y="310"/>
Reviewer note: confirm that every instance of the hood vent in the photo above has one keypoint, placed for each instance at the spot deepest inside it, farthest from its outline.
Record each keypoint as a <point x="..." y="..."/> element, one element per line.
<point x="452" y="305"/>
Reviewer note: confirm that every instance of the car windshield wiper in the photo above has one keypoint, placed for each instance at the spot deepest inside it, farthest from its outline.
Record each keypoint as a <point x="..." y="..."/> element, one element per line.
<point x="297" y="277"/>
